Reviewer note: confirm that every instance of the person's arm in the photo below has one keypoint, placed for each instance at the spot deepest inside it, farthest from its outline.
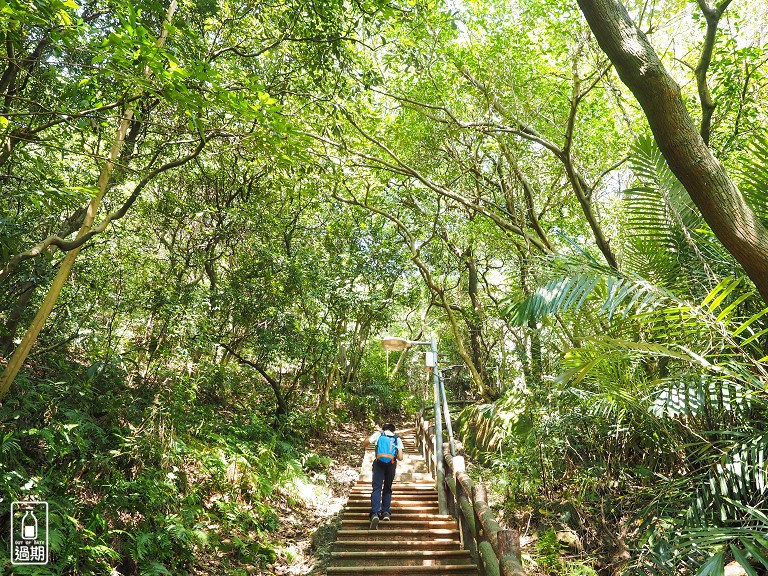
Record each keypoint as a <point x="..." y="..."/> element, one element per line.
<point x="370" y="440"/>
<point x="400" y="449"/>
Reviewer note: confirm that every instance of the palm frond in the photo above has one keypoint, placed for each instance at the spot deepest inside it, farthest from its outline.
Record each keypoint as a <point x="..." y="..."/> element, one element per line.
<point x="663" y="224"/>
<point x="726" y="507"/>
<point x="734" y="490"/>
<point x="620" y="295"/>
<point x="485" y="427"/>
<point x="753" y="176"/>
<point x="742" y="559"/>
<point x="700" y="397"/>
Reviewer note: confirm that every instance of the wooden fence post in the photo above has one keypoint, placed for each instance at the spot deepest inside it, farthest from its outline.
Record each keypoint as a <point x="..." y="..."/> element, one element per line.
<point x="509" y="553"/>
<point x="495" y="551"/>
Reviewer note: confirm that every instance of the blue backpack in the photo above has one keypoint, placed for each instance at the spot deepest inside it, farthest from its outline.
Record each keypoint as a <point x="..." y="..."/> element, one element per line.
<point x="386" y="448"/>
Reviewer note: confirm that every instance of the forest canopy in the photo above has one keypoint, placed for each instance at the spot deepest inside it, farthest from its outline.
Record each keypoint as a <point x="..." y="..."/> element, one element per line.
<point x="212" y="211"/>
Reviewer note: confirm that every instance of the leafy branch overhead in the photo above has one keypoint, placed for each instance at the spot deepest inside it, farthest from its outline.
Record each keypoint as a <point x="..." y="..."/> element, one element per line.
<point x="212" y="212"/>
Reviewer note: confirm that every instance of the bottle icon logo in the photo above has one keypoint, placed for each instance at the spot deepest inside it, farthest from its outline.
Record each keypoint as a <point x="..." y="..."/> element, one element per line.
<point x="29" y="525"/>
<point x="29" y="533"/>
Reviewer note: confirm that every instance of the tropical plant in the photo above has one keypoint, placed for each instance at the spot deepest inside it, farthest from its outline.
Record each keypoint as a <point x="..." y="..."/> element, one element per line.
<point x="682" y="381"/>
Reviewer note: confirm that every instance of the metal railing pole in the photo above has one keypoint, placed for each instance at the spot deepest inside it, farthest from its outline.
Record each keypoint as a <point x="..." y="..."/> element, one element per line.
<point x="439" y="469"/>
<point x="447" y="413"/>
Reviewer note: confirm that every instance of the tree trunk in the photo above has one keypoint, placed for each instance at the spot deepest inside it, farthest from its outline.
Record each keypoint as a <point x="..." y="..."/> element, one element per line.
<point x="357" y="350"/>
<point x="330" y="381"/>
<point x="709" y="186"/>
<point x="282" y="409"/>
<point x="30" y="337"/>
<point x="474" y="323"/>
<point x="532" y="368"/>
<point x="536" y="370"/>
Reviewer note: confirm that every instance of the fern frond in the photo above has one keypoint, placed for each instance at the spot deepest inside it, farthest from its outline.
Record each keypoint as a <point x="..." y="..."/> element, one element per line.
<point x="662" y="239"/>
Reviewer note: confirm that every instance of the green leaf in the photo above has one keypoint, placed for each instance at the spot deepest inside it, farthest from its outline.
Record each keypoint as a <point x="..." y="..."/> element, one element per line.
<point x="713" y="567"/>
<point x="756" y="553"/>
<point x="741" y="558"/>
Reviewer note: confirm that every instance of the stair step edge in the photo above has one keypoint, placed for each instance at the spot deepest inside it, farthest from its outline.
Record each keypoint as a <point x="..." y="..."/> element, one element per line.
<point x="402" y="569"/>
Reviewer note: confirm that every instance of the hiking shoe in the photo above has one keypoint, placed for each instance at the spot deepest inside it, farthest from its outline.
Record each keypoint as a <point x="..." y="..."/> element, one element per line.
<point x="374" y="521"/>
<point x="386" y="516"/>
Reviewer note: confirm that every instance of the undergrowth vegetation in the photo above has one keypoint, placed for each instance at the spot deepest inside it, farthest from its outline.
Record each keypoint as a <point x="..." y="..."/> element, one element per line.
<point x="643" y="444"/>
<point x="178" y="476"/>
<point x="648" y="449"/>
<point x="212" y="211"/>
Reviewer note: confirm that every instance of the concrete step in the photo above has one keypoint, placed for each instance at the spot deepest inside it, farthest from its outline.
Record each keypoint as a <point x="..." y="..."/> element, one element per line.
<point x="396" y="503"/>
<point x="402" y="515"/>
<point x="397" y="545"/>
<point x="452" y="570"/>
<point x="399" y="488"/>
<point x="396" y="499"/>
<point x="401" y="558"/>
<point x="405" y="534"/>
<point x="395" y="509"/>
<point x="396" y="524"/>
<point x="395" y="494"/>
<point x="425" y="507"/>
<point x="396" y="488"/>
<point x="413" y="497"/>
<point x="412" y="473"/>
<point x="410" y="487"/>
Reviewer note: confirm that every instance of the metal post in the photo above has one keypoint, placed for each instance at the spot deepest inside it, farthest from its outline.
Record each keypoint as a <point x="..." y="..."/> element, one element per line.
<point x="447" y="413"/>
<point x="439" y="470"/>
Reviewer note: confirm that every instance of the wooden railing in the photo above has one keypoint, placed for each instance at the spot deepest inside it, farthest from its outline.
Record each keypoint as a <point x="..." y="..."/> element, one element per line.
<point x="496" y="551"/>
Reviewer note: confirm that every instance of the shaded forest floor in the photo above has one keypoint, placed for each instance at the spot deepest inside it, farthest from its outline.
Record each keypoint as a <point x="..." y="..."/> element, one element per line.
<point x="308" y="528"/>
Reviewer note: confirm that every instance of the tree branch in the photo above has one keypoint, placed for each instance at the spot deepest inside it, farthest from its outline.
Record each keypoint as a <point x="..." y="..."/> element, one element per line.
<point x="67" y="245"/>
<point x="406" y="169"/>
<point x="429" y="280"/>
<point x="282" y="407"/>
<point x="577" y="181"/>
<point x="712" y="15"/>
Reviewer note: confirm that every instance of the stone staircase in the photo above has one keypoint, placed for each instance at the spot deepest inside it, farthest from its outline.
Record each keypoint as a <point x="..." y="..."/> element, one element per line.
<point x="417" y="540"/>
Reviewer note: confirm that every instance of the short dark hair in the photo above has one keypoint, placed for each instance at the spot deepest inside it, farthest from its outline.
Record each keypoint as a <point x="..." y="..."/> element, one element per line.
<point x="389" y="426"/>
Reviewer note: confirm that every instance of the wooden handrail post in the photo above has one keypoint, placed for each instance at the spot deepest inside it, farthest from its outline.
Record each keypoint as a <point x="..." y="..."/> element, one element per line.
<point x="450" y="478"/>
<point x="431" y="448"/>
<point x="464" y="510"/>
<point x="509" y="553"/>
<point x="495" y="551"/>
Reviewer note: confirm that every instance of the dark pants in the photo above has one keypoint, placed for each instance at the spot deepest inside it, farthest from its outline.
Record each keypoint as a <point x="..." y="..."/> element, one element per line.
<point x="381" y="496"/>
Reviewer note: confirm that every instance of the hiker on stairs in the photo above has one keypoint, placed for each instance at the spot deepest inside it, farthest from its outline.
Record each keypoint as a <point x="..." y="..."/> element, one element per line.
<point x="389" y="449"/>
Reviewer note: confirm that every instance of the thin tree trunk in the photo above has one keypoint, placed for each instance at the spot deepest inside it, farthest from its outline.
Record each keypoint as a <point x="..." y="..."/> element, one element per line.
<point x="22" y="351"/>
<point x="333" y="378"/>
<point x="29" y="288"/>
<point x="357" y="352"/>
<point x="474" y="323"/>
